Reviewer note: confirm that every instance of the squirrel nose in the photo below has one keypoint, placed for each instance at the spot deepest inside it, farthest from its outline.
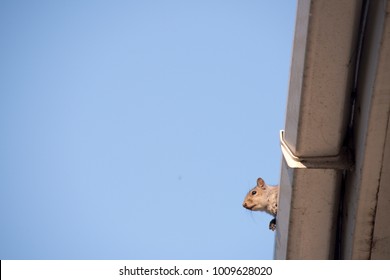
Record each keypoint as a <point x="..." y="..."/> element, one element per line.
<point x="244" y="205"/>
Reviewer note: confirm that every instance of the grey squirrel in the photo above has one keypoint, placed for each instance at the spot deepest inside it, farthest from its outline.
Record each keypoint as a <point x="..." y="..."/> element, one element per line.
<point x="263" y="198"/>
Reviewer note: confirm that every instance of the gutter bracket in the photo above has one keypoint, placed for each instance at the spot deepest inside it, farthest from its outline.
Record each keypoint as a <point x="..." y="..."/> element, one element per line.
<point x="342" y="161"/>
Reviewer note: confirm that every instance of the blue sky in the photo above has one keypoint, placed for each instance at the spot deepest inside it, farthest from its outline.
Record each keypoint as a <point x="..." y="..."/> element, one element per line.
<point x="133" y="129"/>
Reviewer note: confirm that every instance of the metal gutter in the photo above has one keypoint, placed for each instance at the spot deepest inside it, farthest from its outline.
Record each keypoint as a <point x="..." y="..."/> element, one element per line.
<point x="339" y="102"/>
<point x="317" y="117"/>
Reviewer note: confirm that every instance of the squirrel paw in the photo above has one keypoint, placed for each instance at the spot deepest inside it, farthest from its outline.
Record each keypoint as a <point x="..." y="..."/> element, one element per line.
<point x="272" y="224"/>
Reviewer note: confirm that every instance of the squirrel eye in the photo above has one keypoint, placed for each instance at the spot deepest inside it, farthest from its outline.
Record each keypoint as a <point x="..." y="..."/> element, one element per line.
<point x="254" y="192"/>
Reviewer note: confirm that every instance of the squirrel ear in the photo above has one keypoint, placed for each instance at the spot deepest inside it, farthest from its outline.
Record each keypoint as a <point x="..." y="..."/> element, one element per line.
<point x="260" y="183"/>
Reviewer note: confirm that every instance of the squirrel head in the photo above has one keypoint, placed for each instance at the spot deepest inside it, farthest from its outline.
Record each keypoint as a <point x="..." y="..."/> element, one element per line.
<point x="254" y="198"/>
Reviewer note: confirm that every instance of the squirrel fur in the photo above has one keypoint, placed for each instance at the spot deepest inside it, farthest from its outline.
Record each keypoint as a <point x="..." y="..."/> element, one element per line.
<point x="263" y="198"/>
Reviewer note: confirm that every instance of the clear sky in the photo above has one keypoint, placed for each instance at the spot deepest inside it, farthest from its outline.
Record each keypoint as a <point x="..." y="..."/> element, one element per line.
<point x="134" y="129"/>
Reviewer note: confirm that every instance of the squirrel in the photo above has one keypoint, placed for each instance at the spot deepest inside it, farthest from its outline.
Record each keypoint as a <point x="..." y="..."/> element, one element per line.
<point x="263" y="198"/>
